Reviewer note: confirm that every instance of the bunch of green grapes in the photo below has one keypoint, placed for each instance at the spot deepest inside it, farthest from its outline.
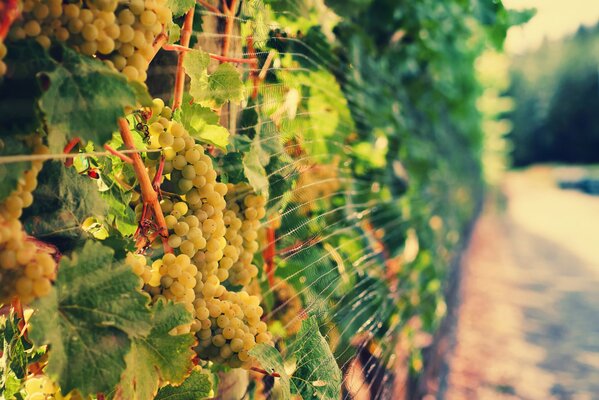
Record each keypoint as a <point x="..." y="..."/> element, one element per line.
<point x="242" y="219"/>
<point x="314" y="183"/>
<point x="41" y="387"/>
<point x="25" y="270"/>
<point x="230" y="326"/>
<point x="120" y="33"/>
<point x="192" y="273"/>
<point x="149" y="275"/>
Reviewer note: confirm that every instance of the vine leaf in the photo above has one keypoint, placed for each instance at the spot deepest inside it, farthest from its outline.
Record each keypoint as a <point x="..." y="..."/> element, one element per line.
<point x="197" y="386"/>
<point x="11" y="173"/>
<point x="225" y="84"/>
<point x="63" y="199"/>
<point x="254" y="170"/>
<point x="92" y="98"/>
<point x="202" y="123"/>
<point x="19" y="88"/>
<point x="141" y="93"/>
<point x="13" y="356"/>
<point x="180" y="7"/>
<point x="89" y="318"/>
<point x="158" y="357"/>
<point x="317" y="375"/>
<point x="271" y="361"/>
<point x="196" y="66"/>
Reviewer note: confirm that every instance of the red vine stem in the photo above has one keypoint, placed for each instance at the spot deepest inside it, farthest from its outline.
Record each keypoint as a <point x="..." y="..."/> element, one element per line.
<point x="68" y="148"/>
<point x="254" y="66"/>
<point x="114" y="152"/>
<point x="160" y="40"/>
<point x="158" y="177"/>
<point x="209" y="6"/>
<point x="263" y="372"/>
<point x="234" y="59"/>
<point x="230" y="10"/>
<point x="148" y="194"/>
<point x="179" y="48"/>
<point x="186" y="32"/>
<point x="9" y="10"/>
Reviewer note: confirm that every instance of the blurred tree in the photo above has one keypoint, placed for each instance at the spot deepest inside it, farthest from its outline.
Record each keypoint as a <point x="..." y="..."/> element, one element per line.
<point x="556" y="90"/>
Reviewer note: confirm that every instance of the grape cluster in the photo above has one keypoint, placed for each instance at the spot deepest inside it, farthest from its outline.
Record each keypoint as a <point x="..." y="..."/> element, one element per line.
<point x="41" y="387"/>
<point x="120" y="33"/>
<point x="227" y="323"/>
<point x="314" y="183"/>
<point x="230" y="325"/>
<point x="25" y="269"/>
<point x="242" y="219"/>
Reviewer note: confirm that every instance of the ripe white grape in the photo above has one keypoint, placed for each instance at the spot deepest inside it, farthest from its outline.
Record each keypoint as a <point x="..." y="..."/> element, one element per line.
<point x="25" y="270"/>
<point x="203" y="249"/>
<point x="106" y="29"/>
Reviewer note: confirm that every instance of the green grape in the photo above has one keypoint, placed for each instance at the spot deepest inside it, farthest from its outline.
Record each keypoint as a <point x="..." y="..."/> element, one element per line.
<point x="25" y="270"/>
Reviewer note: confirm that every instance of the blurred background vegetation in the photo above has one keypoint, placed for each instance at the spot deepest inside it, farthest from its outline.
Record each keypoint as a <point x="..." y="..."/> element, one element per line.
<point x="556" y="92"/>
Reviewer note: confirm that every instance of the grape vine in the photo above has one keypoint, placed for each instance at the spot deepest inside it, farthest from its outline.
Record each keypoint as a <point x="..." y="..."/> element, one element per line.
<point x="232" y="199"/>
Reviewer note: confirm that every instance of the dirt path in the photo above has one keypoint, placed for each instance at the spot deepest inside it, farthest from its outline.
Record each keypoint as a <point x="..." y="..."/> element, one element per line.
<point x="528" y="326"/>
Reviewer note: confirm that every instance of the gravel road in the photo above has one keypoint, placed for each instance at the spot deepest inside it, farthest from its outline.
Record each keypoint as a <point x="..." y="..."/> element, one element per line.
<point x="528" y="324"/>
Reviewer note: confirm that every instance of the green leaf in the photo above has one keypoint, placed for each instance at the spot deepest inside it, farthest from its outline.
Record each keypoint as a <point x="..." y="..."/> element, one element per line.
<point x="141" y="93"/>
<point x="271" y="361"/>
<point x="180" y="7"/>
<point x="11" y="173"/>
<point x="13" y="357"/>
<point x="215" y="135"/>
<point x="84" y="98"/>
<point x="201" y="123"/>
<point x="89" y="318"/>
<point x="254" y="170"/>
<point x="160" y="356"/>
<point x="63" y="200"/>
<point x="225" y="84"/>
<point x="11" y="386"/>
<point x="317" y="375"/>
<point x="196" y="66"/>
<point x="19" y="88"/>
<point x="521" y="17"/>
<point x="119" y="214"/>
<point x="197" y="386"/>
<point x="232" y="167"/>
<point x="174" y="32"/>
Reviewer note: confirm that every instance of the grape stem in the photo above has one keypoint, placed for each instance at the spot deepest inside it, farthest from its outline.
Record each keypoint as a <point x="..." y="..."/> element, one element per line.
<point x="186" y="32"/>
<point x="229" y="11"/>
<point x="179" y="48"/>
<point x="209" y="6"/>
<point x="148" y="194"/>
<point x="158" y="177"/>
<point x="116" y="153"/>
<point x="263" y="372"/>
<point x="10" y="12"/>
<point x="68" y="148"/>
<point x="253" y="75"/>
<point x="160" y="41"/>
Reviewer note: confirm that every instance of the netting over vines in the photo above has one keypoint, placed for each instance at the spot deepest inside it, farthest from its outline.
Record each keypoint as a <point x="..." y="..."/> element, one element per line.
<point x="233" y="199"/>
